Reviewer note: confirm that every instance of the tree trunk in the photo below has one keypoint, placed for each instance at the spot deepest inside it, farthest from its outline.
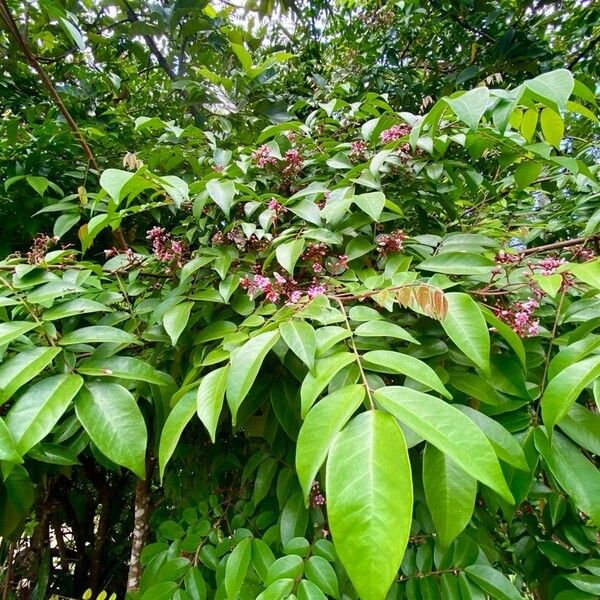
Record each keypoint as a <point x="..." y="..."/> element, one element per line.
<point x="141" y="518"/>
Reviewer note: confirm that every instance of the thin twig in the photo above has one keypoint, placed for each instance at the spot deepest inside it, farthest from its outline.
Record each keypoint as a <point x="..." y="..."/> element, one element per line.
<point x="357" y="355"/>
<point x="6" y="16"/>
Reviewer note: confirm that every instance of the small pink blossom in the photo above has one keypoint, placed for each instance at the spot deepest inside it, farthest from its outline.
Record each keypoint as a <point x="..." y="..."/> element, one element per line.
<point x="263" y="156"/>
<point x="394" y="133"/>
<point x="316" y="290"/>
<point x="358" y="149"/>
<point x="549" y="265"/>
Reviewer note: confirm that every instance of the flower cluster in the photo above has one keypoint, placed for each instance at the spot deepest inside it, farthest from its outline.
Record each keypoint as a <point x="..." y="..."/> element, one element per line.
<point x="520" y="317"/>
<point x="390" y="242"/>
<point x="165" y="248"/>
<point x="316" y="498"/>
<point x="237" y="237"/>
<point x="278" y="208"/>
<point x="549" y="265"/>
<point x="315" y="254"/>
<point x="263" y="156"/>
<point x="358" y="149"/>
<point x="39" y="248"/>
<point x="132" y="162"/>
<point x="394" y="133"/>
<point x="294" y="163"/>
<point x="507" y="258"/>
<point x="375" y="19"/>
<point x="273" y="289"/>
<point x="584" y="254"/>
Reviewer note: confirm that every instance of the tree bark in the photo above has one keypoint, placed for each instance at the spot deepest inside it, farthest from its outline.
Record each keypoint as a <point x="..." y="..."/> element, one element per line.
<point x="141" y="519"/>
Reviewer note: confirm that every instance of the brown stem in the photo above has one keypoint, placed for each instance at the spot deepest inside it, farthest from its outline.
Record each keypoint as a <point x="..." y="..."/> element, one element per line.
<point x="162" y="61"/>
<point x="6" y="16"/>
<point x="60" y="542"/>
<point x="141" y="519"/>
<point x="559" y="245"/>
<point x="9" y="571"/>
<point x="101" y="531"/>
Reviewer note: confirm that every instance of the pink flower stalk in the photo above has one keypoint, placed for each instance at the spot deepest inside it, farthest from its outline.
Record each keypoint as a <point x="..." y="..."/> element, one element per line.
<point x="394" y="133"/>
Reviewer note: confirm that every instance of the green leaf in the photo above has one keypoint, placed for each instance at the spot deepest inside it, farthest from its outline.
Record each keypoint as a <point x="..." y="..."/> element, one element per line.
<point x="493" y="582"/>
<point x="322" y="424"/>
<point x="573" y="472"/>
<point x="23" y="367"/>
<point x="112" y="419"/>
<point x="307" y="590"/>
<point x="262" y="558"/>
<point x="550" y="284"/>
<point x="502" y="329"/>
<point x="12" y="330"/>
<point x="277" y="590"/>
<point x="209" y="399"/>
<point x="449" y="430"/>
<point x="586" y="583"/>
<point x="384" y="329"/>
<point x="565" y="387"/>
<point x="97" y="334"/>
<point x="245" y="363"/>
<point x="396" y="362"/>
<point x="457" y="263"/>
<point x="449" y="492"/>
<point x="315" y="382"/>
<point x="178" y="418"/>
<point x="237" y="567"/>
<point x="114" y="181"/>
<point x="288" y="253"/>
<point x="123" y="367"/>
<point x="529" y="124"/>
<point x="301" y="340"/>
<point x="222" y="191"/>
<point x="79" y="306"/>
<point x="527" y="172"/>
<point x="371" y="203"/>
<point x="321" y="573"/>
<point x="294" y="518"/>
<point x="176" y="319"/>
<point x="194" y="584"/>
<point x="506" y="446"/>
<point x="583" y="427"/>
<point x="34" y="414"/>
<point x="369" y="501"/>
<point x="553" y="127"/>
<point x="8" y="451"/>
<point x="470" y="106"/>
<point x="588" y="272"/>
<point x="466" y="327"/>
<point x="286" y="567"/>
<point x="554" y="86"/>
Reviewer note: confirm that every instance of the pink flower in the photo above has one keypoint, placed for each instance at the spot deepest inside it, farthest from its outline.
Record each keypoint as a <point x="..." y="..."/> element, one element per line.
<point x="317" y="267"/>
<point x="394" y="133"/>
<point x="316" y="290"/>
<point x="549" y="265"/>
<point x="316" y="498"/>
<point x="263" y="156"/>
<point x="358" y="149"/>
<point x="520" y="317"/>
<point x="295" y="296"/>
<point x="390" y="242"/>
<point x="294" y="163"/>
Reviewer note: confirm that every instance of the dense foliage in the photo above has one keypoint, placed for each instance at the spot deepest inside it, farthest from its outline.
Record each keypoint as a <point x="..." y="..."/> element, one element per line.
<point x="285" y="312"/>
